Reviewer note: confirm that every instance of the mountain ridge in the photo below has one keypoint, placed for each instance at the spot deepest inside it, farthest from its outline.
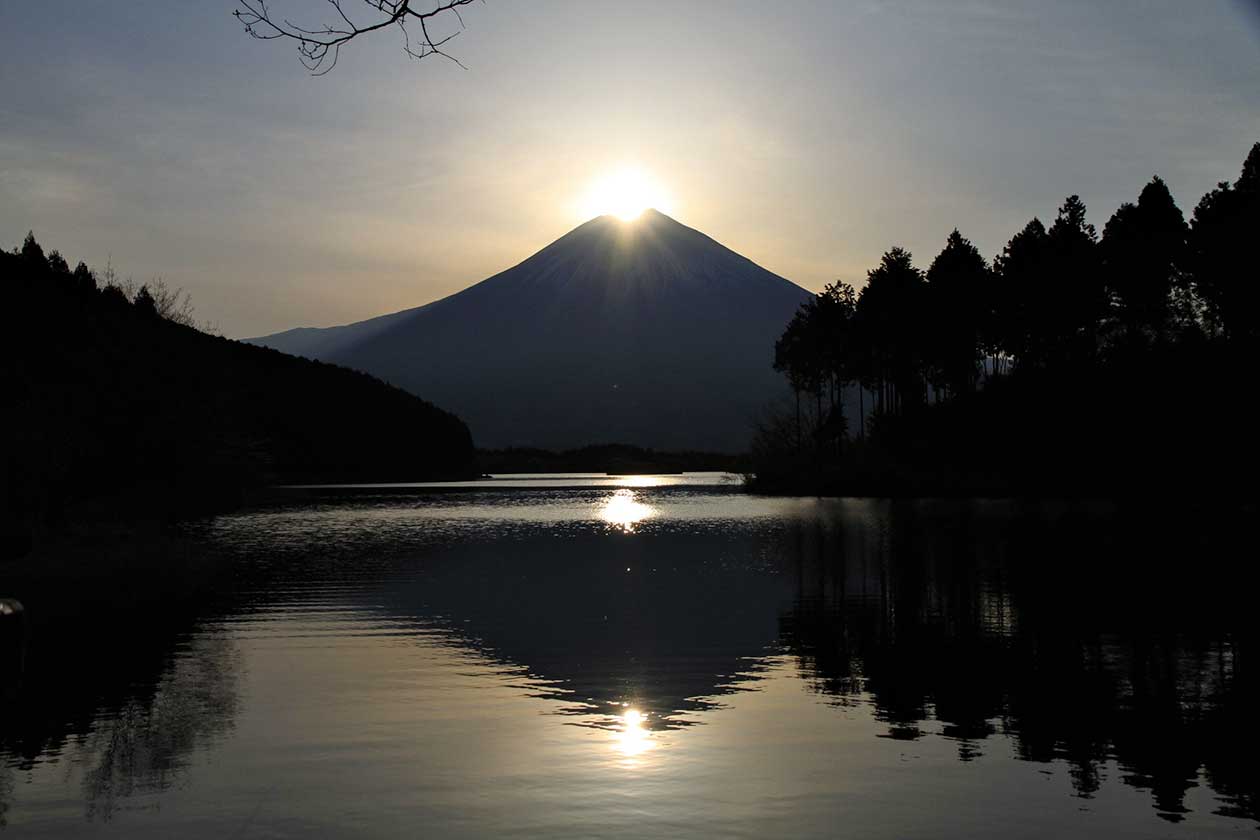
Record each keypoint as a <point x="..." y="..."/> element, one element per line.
<point x="646" y="332"/>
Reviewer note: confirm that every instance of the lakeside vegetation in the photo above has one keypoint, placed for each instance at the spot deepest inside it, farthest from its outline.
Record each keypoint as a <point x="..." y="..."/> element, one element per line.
<point x="613" y="458"/>
<point x="1071" y="362"/>
<point x="122" y="409"/>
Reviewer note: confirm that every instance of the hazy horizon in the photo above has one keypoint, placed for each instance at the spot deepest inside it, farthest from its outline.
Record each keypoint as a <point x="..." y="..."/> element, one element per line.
<point x="166" y="142"/>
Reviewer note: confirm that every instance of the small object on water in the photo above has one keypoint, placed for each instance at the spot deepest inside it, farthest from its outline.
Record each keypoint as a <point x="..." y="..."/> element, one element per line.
<point x="12" y="644"/>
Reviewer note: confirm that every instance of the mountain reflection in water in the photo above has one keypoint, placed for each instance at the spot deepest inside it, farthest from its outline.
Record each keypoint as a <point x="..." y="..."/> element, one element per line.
<point x="682" y="658"/>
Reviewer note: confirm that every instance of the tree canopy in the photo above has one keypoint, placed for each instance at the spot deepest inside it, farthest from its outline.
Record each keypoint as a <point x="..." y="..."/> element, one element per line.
<point x="1223" y="251"/>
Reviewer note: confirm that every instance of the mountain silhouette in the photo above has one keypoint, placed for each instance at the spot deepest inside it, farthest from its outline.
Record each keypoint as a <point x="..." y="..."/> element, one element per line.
<point x="645" y="332"/>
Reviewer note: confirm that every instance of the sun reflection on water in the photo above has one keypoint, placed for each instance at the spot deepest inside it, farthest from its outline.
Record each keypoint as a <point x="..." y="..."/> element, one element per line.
<point x="623" y="511"/>
<point x="641" y="481"/>
<point x="632" y="735"/>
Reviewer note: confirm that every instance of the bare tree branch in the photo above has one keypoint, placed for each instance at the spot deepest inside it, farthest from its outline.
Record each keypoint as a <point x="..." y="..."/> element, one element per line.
<point x="320" y="47"/>
<point x="172" y="304"/>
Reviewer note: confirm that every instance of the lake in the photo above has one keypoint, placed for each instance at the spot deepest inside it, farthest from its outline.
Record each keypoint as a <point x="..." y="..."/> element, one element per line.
<point x="580" y="656"/>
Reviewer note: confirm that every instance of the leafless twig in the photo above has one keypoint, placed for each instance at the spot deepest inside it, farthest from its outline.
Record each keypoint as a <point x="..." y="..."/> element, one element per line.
<point x="320" y="47"/>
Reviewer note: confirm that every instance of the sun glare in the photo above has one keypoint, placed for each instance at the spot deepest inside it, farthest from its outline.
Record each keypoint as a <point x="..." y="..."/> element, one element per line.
<point x="632" y="737"/>
<point x="623" y="512"/>
<point x="625" y="193"/>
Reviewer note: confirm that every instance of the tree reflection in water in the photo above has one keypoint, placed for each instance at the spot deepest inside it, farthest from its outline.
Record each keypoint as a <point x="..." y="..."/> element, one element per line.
<point x="120" y="697"/>
<point x="1116" y="642"/>
<point x="1075" y="636"/>
<point x="145" y="745"/>
<point x="6" y="792"/>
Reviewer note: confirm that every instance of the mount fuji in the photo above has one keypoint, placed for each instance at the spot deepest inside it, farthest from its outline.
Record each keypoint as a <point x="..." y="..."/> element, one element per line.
<point x="645" y="332"/>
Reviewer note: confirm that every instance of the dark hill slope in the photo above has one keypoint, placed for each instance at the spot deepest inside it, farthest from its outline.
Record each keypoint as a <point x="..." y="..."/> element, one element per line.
<point x="105" y="398"/>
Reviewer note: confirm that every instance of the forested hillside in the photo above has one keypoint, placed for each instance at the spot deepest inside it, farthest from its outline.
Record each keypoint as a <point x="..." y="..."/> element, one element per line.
<point x="109" y="398"/>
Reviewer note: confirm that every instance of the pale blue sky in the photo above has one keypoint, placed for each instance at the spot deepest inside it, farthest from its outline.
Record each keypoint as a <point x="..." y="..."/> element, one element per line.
<point x="808" y="136"/>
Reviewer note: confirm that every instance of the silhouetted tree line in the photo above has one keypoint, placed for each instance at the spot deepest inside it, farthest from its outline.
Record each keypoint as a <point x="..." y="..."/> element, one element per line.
<point x="612" y="458"/>
<point x="117" y="398"/>
<point x="1064" y="334"/>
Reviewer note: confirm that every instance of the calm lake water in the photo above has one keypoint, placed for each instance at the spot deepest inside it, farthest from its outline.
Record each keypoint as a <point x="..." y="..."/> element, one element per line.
<point x="590" y="656"/>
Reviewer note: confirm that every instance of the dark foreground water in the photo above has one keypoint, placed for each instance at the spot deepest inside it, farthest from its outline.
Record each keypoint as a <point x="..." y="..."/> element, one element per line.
<point x="586" y="657"/>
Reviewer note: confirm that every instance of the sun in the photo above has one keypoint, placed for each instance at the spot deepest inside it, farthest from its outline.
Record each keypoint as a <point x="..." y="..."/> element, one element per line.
<point x="625" y="193"/>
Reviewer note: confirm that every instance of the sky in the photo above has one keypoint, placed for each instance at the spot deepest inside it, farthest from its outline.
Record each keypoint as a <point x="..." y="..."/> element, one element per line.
<point x="158" y="138"/>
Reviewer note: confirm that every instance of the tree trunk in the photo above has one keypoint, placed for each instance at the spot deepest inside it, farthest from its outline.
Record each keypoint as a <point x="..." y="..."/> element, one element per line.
<point x="861" y="412"/>
<point x="798" y="420"/>
<point x="818" y="421"/>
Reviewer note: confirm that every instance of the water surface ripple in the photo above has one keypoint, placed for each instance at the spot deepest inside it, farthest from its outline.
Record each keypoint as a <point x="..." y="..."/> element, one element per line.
<point x="587" y="655"/>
